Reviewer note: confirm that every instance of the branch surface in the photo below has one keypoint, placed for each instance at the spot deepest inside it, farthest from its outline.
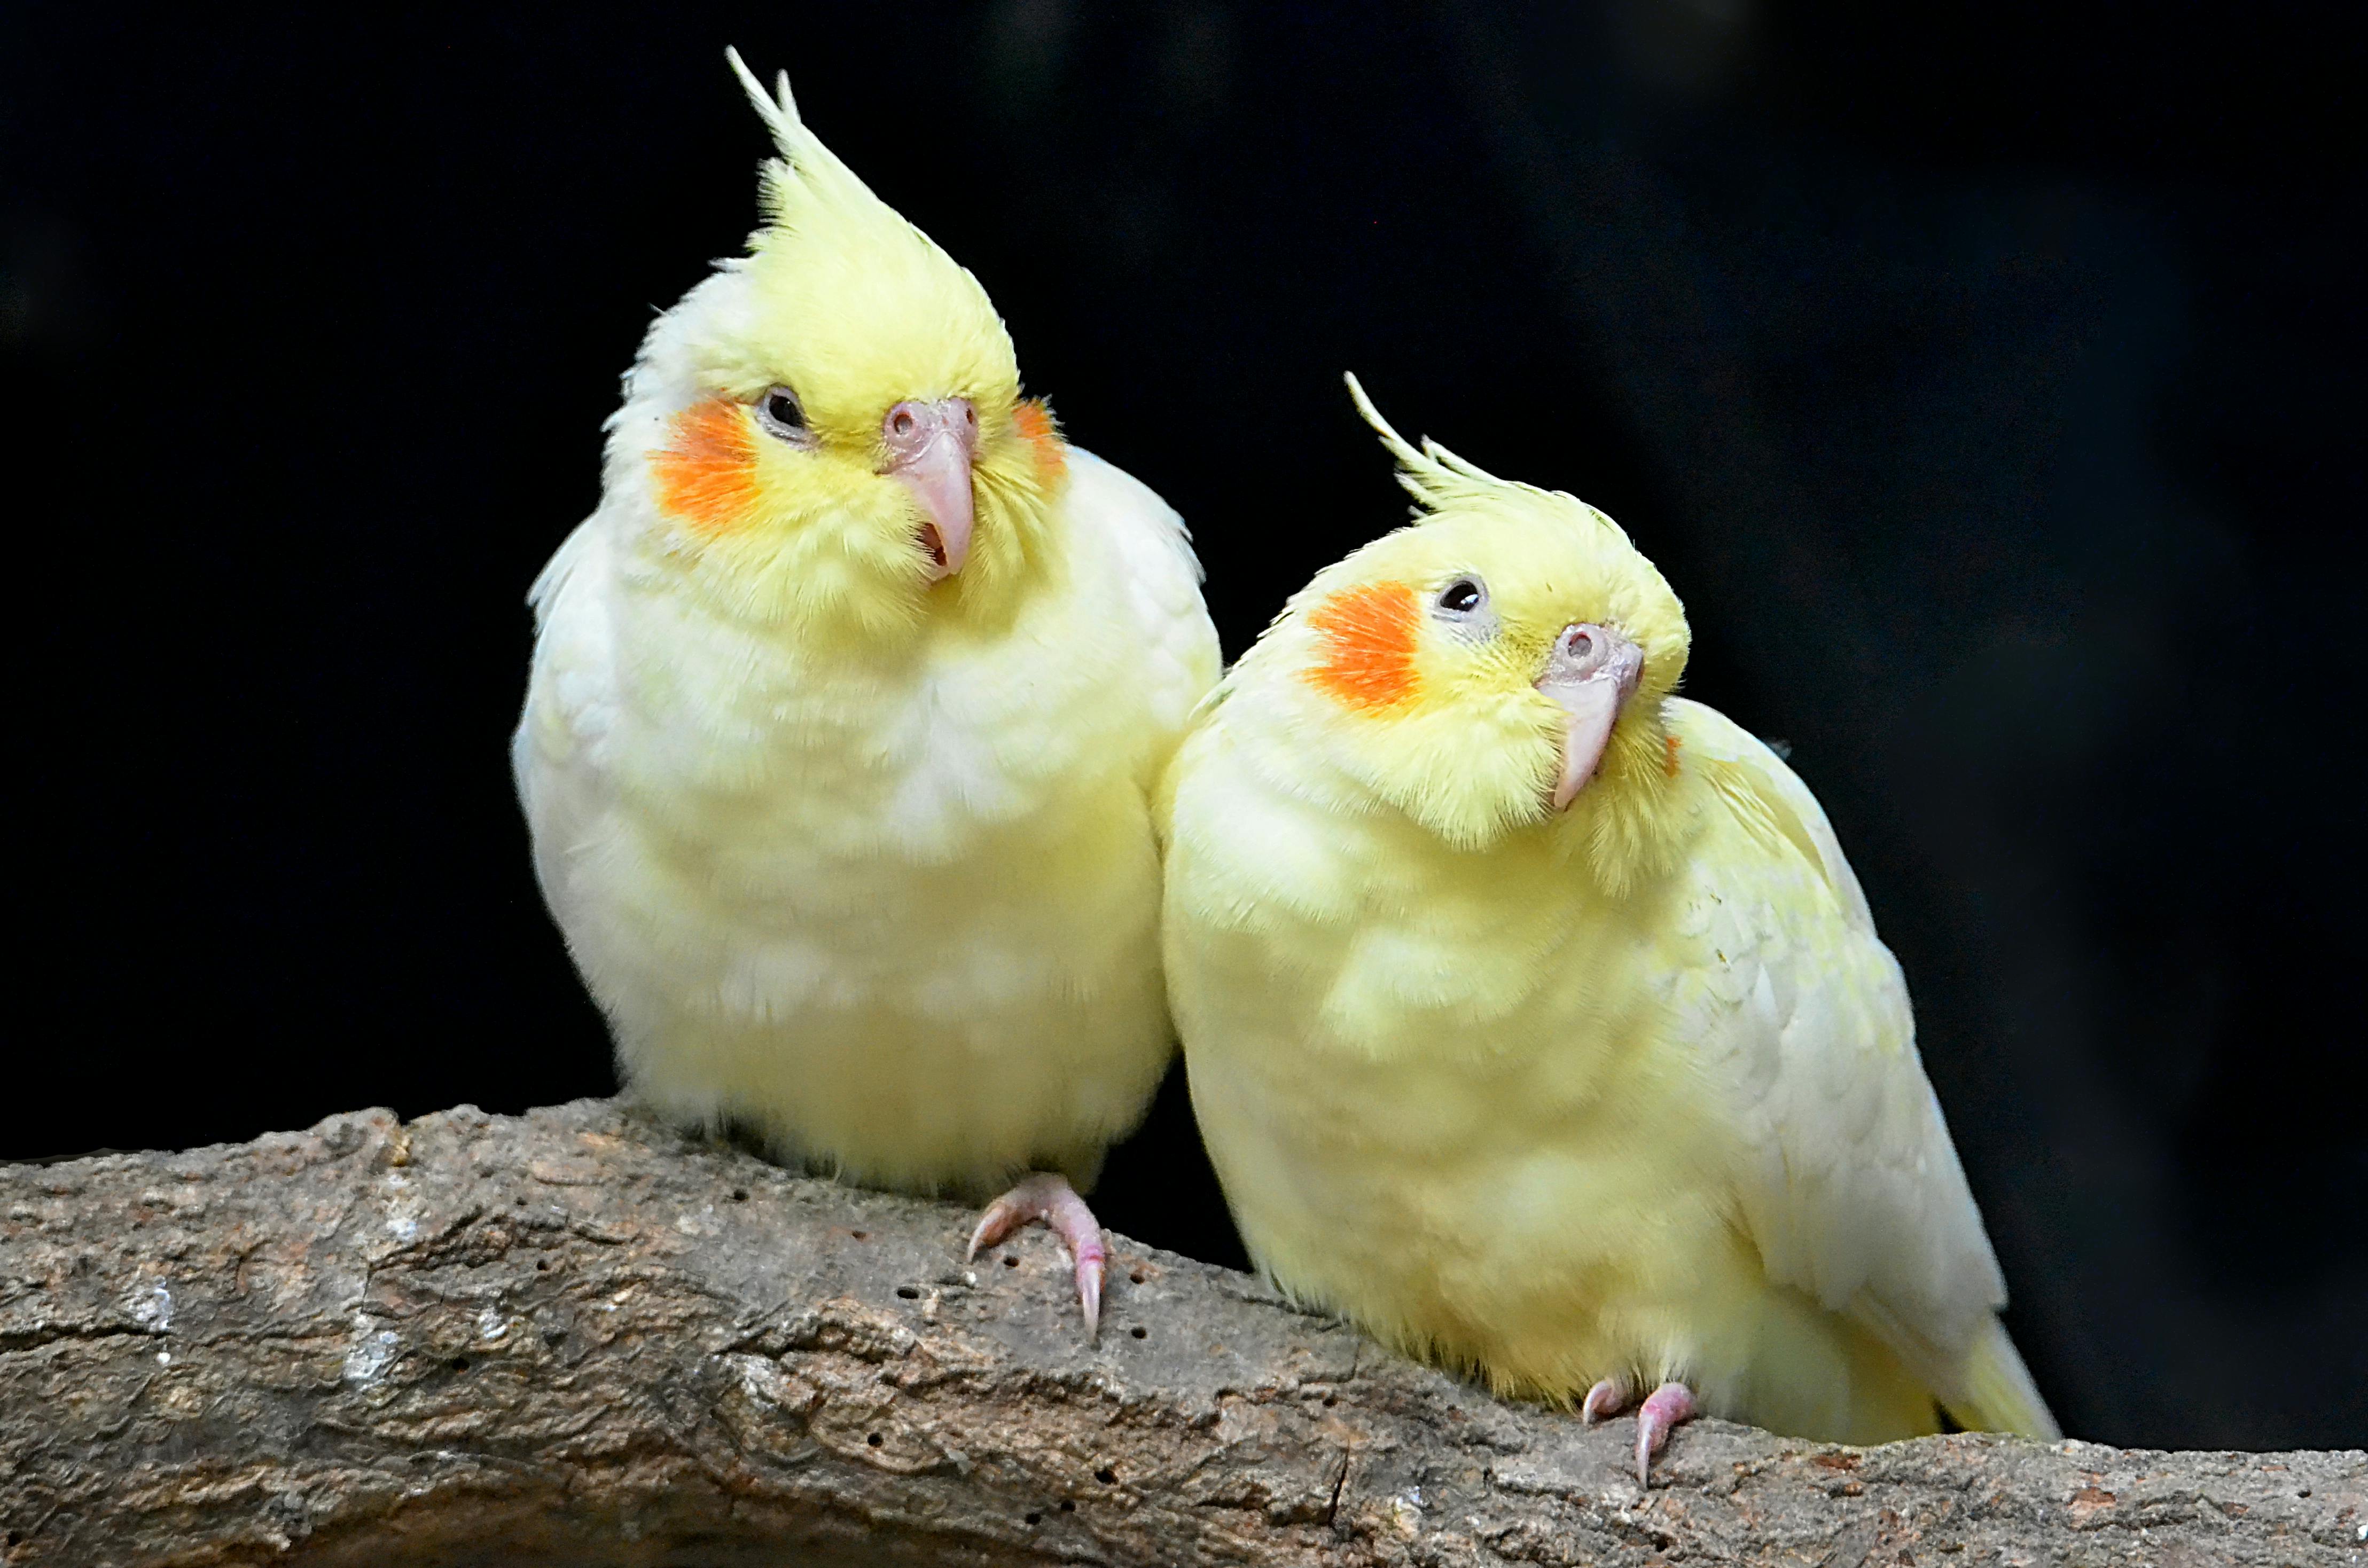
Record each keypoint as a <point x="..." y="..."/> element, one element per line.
<point x="574" y="1337"/>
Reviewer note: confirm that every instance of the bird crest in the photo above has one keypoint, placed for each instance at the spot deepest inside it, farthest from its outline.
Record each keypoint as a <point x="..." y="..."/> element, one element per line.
<point x="852" y="297"/>
<point x="808" y="178"/>
<point x="1438" y="479"/>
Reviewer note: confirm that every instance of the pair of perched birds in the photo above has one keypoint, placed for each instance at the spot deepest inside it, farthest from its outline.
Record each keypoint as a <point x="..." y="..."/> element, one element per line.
<point x="882" y="778"/>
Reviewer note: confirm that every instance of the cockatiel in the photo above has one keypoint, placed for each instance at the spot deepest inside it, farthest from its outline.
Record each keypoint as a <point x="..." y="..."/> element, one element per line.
<point x="846" y="708"/>
<point x="1533" y="1017"/>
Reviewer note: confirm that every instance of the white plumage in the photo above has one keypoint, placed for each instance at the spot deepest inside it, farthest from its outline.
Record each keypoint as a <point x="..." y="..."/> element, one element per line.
<point x="899" y="918"/>
<point x="855" y="852"/>
<point x="1595" y="1096"/>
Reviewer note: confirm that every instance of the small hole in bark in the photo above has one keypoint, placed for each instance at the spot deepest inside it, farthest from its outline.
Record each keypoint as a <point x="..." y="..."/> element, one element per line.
<point x="553" y="1335"/>
<point x="1034" y="1519"/>
<point x="1107" y="1476"/>
<point x="874" y="1439"/>
<point x="1329" y="1402"/>
<point x="861" y="1235"/>
<point x="1010" y="1261"/>
<point x="519" y="1202"/>
<point x="908" y="1292"/>
<point x="1140" y="1332"/>
<point x="543" y="1265"/>
<point x="459" y="1363"/>
<point x="1136" y="1277"/>
<point x="1067" y="1506"/>
<point x="739" y="1195"/>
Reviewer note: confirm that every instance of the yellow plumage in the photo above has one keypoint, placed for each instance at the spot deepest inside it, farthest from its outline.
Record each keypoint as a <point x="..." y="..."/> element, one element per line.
<point x="847" y="709"/>
<point x="1626" y="1093"/>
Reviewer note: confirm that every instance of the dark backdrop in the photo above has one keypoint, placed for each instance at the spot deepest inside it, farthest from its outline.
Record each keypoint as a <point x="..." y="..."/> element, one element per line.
<point x="1985" y="375"/>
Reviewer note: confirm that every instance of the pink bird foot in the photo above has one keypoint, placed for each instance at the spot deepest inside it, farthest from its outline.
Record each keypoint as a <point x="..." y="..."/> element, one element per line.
<point x="1047" y="1195"/>
<point x="1605" y="1400"/>
<point x="1664" y="1408"/>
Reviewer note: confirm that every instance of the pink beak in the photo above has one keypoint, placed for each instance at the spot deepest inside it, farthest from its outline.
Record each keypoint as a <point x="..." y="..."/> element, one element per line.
<point x="1591" y="673"/>
<point x="931" y="446"/>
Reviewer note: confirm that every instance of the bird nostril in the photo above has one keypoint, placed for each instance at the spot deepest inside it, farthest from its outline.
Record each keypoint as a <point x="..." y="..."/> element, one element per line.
<point x="901" y="423"/>
<point x="1579" y="643"/>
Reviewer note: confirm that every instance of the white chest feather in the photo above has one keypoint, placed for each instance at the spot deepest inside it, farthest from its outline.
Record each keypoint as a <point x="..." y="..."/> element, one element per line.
<point x="899" y="918"/>
<point x="1508" y="1120"/>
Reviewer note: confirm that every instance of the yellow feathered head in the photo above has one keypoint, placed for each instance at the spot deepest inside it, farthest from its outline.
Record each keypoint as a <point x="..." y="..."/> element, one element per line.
<point x="1497" y="666"/>
<point x="831" y="428"/>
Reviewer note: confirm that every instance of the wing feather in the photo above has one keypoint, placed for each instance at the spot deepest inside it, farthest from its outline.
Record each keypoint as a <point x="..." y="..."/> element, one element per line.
<point x="1845" y="1178"/>
<point x="1160" y="583"/>
<point x="558" y="757"/>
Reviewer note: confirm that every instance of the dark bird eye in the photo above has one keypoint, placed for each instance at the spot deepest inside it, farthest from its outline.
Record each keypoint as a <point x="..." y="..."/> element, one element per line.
<point x="1462" y="597"/>
<point x="778" y="412"/>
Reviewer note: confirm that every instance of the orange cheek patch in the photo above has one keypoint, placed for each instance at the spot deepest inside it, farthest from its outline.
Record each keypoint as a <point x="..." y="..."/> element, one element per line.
<point x="708" y="475"/>
<point x="1669" y="756"/>
<point x="1369" y="637"/>
<point x="1034" y="422"/>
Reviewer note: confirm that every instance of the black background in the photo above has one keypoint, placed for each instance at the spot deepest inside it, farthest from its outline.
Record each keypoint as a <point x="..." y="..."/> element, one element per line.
<point x="1984" y="376"/>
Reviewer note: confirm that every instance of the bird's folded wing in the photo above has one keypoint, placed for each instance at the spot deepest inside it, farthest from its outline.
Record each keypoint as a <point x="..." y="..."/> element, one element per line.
<point x="557" y="756"/>
<point x="1159" y="586"/>
<point x="1845" y="1177"/>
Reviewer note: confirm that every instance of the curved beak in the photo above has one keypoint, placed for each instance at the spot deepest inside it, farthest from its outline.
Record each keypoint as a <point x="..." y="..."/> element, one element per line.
<point x="930" y="449"/>
<point x="1591" y="674"/>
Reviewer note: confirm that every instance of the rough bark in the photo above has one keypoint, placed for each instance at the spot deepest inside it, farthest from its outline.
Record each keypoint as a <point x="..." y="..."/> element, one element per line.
<point x="575" y="1337"/>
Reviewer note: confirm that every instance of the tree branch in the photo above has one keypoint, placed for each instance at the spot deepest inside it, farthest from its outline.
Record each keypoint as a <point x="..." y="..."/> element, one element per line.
<point x="576" y="1337"/>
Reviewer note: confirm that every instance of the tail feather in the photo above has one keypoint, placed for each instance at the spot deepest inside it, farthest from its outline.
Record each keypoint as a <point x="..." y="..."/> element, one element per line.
<point x="2000" y="1396"/>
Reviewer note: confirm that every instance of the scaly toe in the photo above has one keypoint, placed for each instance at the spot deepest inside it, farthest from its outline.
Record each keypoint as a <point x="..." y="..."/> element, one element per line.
<point x="1000" y="1220"/>
<point x="1034" y="1199"/>
<point x="1607" y="1399"/>
<point x="1663" y="1410"/>
<point x="1047" y="1195"/>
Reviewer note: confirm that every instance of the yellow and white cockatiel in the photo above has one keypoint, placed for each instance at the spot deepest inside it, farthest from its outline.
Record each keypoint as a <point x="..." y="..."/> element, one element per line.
<point x="1533" y="1017"/>
<point x="847" y="709"/>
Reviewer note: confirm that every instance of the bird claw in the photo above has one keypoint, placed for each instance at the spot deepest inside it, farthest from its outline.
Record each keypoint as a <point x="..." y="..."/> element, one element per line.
<point x="1048" y="1196"/>
<point x="1663" y="1409"/>
<point x="1607" y="1399"/>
